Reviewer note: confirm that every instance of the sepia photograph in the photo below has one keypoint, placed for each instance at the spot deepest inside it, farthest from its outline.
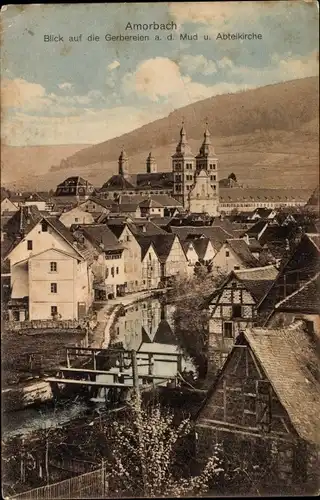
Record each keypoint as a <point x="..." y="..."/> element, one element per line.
<point x="160" y="250"/>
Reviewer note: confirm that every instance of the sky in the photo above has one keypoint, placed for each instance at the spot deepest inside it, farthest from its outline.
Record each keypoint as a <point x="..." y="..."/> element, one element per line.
<point x="88" y="92"/>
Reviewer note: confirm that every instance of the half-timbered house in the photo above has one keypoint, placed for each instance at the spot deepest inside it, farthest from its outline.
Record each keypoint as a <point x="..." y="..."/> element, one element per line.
<point x="233" y="307"/>
<point x="263" y="409"/>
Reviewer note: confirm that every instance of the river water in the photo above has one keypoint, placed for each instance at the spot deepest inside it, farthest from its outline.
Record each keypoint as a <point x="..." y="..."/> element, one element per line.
<point x="146" y="327"/>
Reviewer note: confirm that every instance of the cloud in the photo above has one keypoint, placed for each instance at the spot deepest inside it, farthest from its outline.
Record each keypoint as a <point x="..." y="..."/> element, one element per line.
<point x="19" y="93"/>
<point x="113" y="65"/>
<point x="198" y="64"/>
<point x="218" y="14"/>
<point x="65" y="86"/>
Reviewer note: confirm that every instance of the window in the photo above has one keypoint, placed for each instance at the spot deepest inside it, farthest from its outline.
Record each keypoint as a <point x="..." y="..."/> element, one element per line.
<point x="44" y="226"/>
<point x="107" y="272"/>
<point x="112" y="271"/>
<point x="54" y="310"/>
<point x="76" y="219"/>
<point x="53" y="287"/>
<point x="236" y="311"/>
<point x="236" y="268"/>
<point x="227" y="253"/>
<point x="117" y="270"/>
<point x="150" y="256"/>
<point x="53" y="267"/>
<point x="29" y="244"/>
<point x="228" y="329"/>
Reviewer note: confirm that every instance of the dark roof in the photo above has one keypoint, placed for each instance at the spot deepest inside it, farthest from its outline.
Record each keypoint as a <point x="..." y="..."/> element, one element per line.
<point x="257" y="280"/>
<point x="277" y="233"/>
<point x="150" y="203"/>
<point x="256" y="229"/>
<point x="144" y="243"/>
<point x="305" y="299"/>
<point x="160" y="180"/>
<point x="263" y="212"/>
<point x="164" y="334"/>
<point x="216" y="234"/>
<point x="118" y="182"/>
<point x="315" y="239"/>
<point x="241" y="249"/>
<point x="291" y="363"/>
<point x="254" y="245"/>
<point x="162" y="244"/>
<point x="124" y="207"/>
<point x="200" y="246"/>
<point x="164" y="199"/>
<point x="101" y="236"/>
<point x="23" y="219"/>
<point x="147" y="228"/>
<point x="104" y="202"/>
<point x="61" y="229"/>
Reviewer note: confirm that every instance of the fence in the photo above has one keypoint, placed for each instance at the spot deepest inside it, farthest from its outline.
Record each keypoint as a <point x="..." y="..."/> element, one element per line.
<point x="90" y="485"/>
<point x="44" y="324"/>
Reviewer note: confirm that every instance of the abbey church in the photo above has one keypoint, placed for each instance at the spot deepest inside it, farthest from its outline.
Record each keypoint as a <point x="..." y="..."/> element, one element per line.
<point x="193" y="180"/>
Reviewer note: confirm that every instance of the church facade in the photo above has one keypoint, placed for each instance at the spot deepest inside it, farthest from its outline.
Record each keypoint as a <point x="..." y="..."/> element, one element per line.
<point x="193" y="180"/>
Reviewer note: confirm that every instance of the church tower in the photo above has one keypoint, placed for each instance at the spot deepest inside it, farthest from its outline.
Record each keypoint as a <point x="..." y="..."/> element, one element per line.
<point x="183" y="167"/>
<point x="151" y="164"/>
<point x="207" y="172"/>
<point x="123" y="163"/>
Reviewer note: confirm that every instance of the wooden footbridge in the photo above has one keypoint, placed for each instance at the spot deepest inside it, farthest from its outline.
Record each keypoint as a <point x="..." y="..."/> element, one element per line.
<point x="113" y="371"/>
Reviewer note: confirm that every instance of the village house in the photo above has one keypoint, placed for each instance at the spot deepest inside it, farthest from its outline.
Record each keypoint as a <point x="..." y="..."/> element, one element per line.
<point x="35" y="236"/>
<point x="96" y="206"/>
<point x="131" y="254"/>
<point x="8" y="206"/>
<point x="171" y="255"/>
<point x="301" y="305"/>
<point x="75" y="187"/>
<point x="216" y="234"/>
<point x="76" y="216"/>
<point x="204" y="249"/>
<point x="263" y="409"/>
<point x="300" y="267"/>
<point x="191" y="254"/>
<point x="151" y="265"/>
<point x="233" y="307"/>
<point x="151" y="208"/>
<point x="108" y="262"/>
<point x="233" y="255"/>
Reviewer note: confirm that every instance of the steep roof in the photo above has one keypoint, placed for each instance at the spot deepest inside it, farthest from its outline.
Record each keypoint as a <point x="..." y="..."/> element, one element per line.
<point x="305" y="299"/>
<point x="164" y="334"/>
<point x="162" y="244"/>
<point x="257" y="280"/>
<point x="23" y="220"/>
<point x="103" y="202"/>
<point x="101" y="236"/>
<point x="160" y="180"/>
<point x="145" y="244"/>
<point x="216" y="234"/>
<point x="147" y="228"/>
<point x="291" y="363"/>
<point x="241" y="249"/>
<point x="200" y="246"/>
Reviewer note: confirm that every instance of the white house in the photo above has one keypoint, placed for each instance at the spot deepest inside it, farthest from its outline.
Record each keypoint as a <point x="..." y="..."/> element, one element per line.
<point x="46" y="235"/>
<point x="191" y="255"/>
<point x="151" y="265"/>
<point x="8" y="206"/>
<point x="150" y="207"/>
<point x="76" y="216"/>
<point x="234" y="255"/>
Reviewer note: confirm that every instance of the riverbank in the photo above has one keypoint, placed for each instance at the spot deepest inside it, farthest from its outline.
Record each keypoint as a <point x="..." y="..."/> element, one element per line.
<point x="33" y="390"/>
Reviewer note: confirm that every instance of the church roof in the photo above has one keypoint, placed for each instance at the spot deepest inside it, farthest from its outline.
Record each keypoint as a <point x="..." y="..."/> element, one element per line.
<point x="183" y="148"/>
<point x="118" y="182"/>
<point x="206" y="148"/>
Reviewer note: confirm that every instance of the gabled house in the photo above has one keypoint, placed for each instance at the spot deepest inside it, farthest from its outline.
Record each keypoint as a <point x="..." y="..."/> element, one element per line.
<point x="171" y="255"/>
<point x="218" y="235"/>
<point x="151" y="208"/>
<point x="8" y="206"/>
<point x="76" y="216"/>
<point x="234" y="255"/>
<point x="264" y="213"/>
<point x="204" y="249"/>
<point x="302" y="304"/>
<point x="151" y="265"/>
<point x="233" y="307"/>
<point x="301" y="266"/>
<point x="263" y="409"/>
<point x="191" y="254"/>
<point x="108" y="263"/>
<point x="30" y="255"/>
<point x="96" y="206"/>
<point x="131" y="254"/>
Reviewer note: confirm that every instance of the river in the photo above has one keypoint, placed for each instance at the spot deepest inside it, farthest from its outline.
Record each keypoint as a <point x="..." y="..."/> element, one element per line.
<point x="146" y="326"/>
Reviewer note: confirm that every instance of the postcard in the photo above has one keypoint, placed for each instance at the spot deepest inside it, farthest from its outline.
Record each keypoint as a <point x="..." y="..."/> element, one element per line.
<point x="160" y="249"/>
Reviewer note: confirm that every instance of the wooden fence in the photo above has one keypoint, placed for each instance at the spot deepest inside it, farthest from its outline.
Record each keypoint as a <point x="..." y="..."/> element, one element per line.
<point x="90" y="485"/>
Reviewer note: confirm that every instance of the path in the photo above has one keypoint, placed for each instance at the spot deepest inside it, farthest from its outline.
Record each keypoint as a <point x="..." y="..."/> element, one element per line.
<point x="105" y="315"/>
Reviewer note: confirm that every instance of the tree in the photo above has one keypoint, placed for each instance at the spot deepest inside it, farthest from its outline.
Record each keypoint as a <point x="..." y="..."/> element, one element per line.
<point x="191" y="316"/>
<point x="146" y="451"/>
